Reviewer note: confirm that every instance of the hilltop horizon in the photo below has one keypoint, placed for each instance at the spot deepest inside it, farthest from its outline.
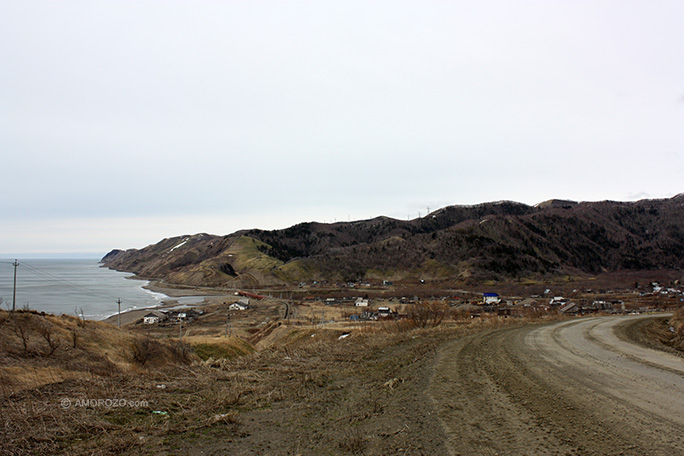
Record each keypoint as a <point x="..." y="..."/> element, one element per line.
<point x="491" y="241"/>
<point x="545" y="203"/>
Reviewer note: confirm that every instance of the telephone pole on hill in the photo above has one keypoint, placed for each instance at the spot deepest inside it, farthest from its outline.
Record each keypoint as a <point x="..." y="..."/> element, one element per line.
<point x="118" y="301"/>
<point x="14" y="292"/>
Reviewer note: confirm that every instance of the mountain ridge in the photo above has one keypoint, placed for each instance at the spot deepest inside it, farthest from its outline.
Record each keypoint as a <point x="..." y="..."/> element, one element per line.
<point x="500" y="240"/>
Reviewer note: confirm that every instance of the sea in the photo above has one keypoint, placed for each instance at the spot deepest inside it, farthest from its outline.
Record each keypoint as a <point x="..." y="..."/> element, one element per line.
<point x="74" y="287"/>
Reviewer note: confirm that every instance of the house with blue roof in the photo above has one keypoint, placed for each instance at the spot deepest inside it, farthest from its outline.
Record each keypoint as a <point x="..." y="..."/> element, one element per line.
<point x="490" y="298"/>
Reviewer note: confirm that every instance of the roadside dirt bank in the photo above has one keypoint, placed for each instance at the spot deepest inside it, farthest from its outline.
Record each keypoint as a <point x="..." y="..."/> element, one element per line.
<point x="567" y="388"/>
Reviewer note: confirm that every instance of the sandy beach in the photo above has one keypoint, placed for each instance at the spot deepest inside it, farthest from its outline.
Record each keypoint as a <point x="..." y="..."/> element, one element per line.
<point x="205" y="297"/>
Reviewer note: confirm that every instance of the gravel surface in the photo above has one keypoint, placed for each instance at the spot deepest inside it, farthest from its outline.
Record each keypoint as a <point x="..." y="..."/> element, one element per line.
<point x="572" y="387"/>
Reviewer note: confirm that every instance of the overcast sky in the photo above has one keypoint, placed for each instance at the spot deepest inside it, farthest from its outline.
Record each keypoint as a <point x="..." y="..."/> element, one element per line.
<point x="125" y="122"/>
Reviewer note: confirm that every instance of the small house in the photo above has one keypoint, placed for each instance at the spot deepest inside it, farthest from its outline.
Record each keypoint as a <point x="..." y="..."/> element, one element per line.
<point x="490" y="298"/>
<point x="558" y="301"/>
<point x="385" y="313"/>
<point x="570" y="308"/>
<point x="360" y="302"/>
<point x="154" y="317"/>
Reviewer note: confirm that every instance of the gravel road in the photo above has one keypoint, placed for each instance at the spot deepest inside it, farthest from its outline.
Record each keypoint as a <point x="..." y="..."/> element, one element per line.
<point x="572" y="388"/>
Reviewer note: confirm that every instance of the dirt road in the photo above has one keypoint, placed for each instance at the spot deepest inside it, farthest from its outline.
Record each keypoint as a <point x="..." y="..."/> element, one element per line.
<point x="575" y="387"/>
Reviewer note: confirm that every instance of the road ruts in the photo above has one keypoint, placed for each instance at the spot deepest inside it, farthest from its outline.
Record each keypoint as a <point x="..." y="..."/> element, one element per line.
<point x="568" y="388"/>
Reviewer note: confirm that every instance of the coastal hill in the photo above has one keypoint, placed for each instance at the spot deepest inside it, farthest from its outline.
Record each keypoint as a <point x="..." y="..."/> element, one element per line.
<point x="456" y="244"/>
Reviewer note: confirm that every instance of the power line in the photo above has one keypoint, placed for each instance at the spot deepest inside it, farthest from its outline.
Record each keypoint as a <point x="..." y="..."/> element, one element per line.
<point x="61" y="282"/>
<point x="66" y="283"/>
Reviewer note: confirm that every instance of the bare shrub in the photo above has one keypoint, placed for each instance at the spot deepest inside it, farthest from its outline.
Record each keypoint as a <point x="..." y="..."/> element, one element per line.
<point x="53" y="341"/>
<point x="426" y="314"/>
<point x="181" y="353"/>
<point x="21" y="329"/>
<point x="147" y="351"/>
<point x="143" y="349"/>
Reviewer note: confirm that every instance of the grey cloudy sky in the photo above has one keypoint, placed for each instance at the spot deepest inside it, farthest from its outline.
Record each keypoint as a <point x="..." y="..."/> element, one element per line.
<point x="124" y="122"/>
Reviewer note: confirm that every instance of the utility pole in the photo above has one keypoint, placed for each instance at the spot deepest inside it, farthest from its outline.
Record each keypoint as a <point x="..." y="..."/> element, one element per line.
<point x="14" y="292"/>
<point x="118" y="301"/>
<point x="180" y="337"/>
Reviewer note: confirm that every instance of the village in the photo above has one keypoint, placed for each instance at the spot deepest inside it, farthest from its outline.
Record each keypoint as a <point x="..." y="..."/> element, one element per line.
<point x="244" y="313"/>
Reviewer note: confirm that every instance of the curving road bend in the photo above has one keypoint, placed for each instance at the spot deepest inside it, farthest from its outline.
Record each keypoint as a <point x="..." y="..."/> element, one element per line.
<point x="569" y="388"/>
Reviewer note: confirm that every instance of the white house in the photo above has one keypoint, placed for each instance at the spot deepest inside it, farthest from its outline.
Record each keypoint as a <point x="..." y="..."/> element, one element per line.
<point x="491" y="298"/>
<point x="557" y="301"/>
<point x="360" y="302"/>
<point x="384" y="312"/>
<point x="237" y="306"/>
<point x="153" y="318"/>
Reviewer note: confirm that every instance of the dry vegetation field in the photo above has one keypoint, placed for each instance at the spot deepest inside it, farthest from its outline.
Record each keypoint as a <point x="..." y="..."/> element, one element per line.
<point x="271" y="386"/>
<point x="85" y="387"/>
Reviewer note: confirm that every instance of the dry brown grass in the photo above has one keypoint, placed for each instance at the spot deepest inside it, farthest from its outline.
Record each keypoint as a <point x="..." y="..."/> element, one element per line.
<point x="676" y="330"/>
<point x="38" y="349"/>
<point x="305" y="384"/>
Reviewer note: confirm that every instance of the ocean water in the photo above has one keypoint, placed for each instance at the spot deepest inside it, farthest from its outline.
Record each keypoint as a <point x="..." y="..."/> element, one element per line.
<point x="69" y="286"/>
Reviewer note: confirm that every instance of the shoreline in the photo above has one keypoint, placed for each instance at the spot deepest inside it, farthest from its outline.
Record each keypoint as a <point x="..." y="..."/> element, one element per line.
<point x="181" y="291"/>
<point x="174" y="295"/>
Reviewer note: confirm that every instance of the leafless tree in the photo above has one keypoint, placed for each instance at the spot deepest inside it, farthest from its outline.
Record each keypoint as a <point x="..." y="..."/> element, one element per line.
<point x="21" y="330"/>
<point x="53" y="342"/>
<point x="427" y="314"/>
<point x="143" y="349"/>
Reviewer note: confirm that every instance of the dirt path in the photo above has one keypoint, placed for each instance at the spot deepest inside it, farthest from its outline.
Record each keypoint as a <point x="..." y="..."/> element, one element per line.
<point x="573" y="387"/>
